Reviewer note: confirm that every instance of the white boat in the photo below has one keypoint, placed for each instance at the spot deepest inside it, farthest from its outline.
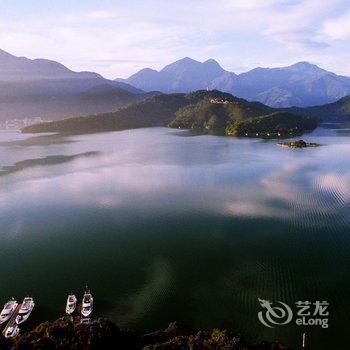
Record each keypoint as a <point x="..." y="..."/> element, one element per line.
<point x="8" y="310"/>
<point x="87" y="304"/>
<point x="85" y="320"/>
<point x="71" y="304"/>
<point x="25" y="310"/>
<point x="11" y="331"/>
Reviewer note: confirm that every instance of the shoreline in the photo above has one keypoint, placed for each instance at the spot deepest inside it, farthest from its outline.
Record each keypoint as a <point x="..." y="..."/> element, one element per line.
<point x="104" y="334"/>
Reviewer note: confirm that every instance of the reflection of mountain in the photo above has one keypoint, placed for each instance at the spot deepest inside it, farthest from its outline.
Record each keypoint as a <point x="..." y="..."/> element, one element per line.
<point x="234" y="219"/>
<point x="42" y="140"/>
<point x="296" y="189"/>
<point x="44" y="88"/>
<point x="49" y="160"/>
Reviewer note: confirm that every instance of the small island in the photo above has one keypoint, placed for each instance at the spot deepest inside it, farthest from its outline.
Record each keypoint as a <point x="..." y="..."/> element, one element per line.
<point x="297" y="144"/>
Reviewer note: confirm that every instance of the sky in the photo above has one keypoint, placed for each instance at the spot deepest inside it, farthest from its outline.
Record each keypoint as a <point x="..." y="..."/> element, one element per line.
<point x="117" y="38"/>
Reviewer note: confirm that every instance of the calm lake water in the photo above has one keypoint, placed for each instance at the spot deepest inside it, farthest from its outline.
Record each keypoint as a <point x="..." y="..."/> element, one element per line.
<point x="163" y="225"/>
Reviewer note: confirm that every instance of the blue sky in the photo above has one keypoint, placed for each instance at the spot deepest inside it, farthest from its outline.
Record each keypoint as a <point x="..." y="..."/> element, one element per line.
<point x="117" y="38"/>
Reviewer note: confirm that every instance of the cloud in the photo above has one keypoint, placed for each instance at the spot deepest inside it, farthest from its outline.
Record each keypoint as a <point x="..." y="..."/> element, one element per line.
<point x="298" y="26"/>
<point x="118" y="40"/>
<point x="336" y="184"/>
<point x="251" y="4"/>
<point x="338" y="28"/>
<point x="99" y="15"/>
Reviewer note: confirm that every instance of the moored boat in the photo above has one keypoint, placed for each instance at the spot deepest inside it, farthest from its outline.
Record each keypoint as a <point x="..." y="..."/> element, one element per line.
<point x="25" y="310"/>
<point x="8" y="310"/>
<point x="85" y="320"/>
<point x="87" y="304"/>
<point x="12" y="331"/>
<point x="71" y="304"/>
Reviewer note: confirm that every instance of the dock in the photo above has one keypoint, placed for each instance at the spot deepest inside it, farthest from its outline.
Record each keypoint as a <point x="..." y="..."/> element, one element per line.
<point x="12" y="321"/>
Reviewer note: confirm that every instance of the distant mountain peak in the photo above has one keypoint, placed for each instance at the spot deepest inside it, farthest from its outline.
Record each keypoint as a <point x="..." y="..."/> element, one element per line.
<point x="21" y="69"/>
<point x="183" y="63"/>
<point x="187" y="60"/>
<point x="148" y="70"/>
<point x="213" y="63"/>
<point x="305" y="67"/>
<point x="5" y="56"/>
<point x="145" y="73"/>
<point x="300" y="84"/>
<point x="4" y="53"/>
<point x="303" y="64"/>
<point x="209" y="66"/>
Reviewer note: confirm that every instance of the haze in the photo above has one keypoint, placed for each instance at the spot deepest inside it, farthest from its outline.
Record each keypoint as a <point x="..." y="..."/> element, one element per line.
<point x="116" y="39"/>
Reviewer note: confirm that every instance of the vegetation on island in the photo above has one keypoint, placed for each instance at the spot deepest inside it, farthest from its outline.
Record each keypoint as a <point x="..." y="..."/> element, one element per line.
<point x="215" y="111"/>
<point x="154" y="111"/>
<point x="271" y="125"/>
<point x="103" y="334"/>
<point x="298" y="144"/>
<point x="338" y="111"/>
<point x="208" y="111"/>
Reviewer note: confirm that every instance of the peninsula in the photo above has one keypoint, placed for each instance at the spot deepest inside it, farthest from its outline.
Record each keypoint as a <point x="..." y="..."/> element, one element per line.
<point x="208" y="111"/>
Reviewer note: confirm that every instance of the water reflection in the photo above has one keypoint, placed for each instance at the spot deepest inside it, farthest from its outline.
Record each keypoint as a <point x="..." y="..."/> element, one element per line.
<point x="49" y="160"/>
<point x="41" y="140"/>
<point x="161" y="224"/>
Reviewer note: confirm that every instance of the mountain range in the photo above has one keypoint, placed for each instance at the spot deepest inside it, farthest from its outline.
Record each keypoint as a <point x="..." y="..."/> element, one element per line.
<point x="48" y="89"/>
<point x="301" y="84"/>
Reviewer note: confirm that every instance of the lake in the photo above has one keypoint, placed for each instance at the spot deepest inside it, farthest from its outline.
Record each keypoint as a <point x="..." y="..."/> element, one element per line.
<point x="164" y="225"/>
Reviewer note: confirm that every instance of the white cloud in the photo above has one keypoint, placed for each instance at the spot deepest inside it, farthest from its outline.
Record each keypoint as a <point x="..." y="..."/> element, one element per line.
<point x="99" y="15"/>
<point x="251" y="4"/>
<point x="338" y="28"/>
<point x="298" y="25"/>
<point x="117" y="41"/>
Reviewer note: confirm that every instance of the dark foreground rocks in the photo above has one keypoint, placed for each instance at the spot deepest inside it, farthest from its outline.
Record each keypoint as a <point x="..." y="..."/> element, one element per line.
<point x="103" y="334"/>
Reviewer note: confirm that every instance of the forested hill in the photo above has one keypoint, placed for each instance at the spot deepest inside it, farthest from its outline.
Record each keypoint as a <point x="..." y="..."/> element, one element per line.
<point x="210" y="111"/>
<point x="338" y="111"/>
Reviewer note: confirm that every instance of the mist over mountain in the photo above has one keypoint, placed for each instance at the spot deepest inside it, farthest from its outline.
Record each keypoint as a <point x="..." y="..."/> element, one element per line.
<point x="20" y="69"/>
<point x="338" y="111"/>
<point x="48" y="89"/>
<point x="301" y="84"/>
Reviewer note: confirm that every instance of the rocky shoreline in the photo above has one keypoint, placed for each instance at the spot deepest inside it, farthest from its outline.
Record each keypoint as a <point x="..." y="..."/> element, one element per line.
<point x="297" y="144"/>
<point x="104" y="334"/>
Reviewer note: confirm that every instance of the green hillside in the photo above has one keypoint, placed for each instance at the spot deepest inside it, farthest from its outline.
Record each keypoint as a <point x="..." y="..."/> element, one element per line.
<point x="280" y="123"/>
<point x="228" y="115"/>
<point x="156" y="110"/>
<point x="337" y="111"/>
<point x="209" y="111"/>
